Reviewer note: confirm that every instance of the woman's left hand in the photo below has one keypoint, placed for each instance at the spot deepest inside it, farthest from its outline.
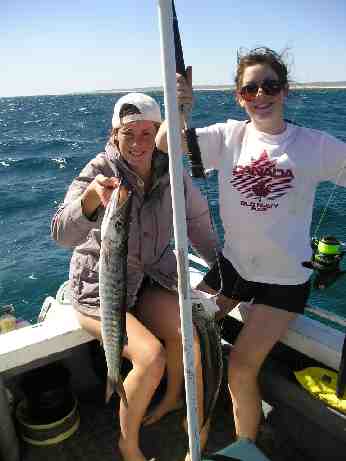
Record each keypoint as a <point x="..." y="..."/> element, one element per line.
<point x="184" y="88"/>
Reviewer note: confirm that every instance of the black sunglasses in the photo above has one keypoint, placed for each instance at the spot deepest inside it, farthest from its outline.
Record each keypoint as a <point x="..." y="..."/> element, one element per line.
<point x="269" y="87"/>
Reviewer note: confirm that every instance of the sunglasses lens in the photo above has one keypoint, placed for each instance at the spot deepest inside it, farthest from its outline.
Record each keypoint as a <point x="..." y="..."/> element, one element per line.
<point x="249" y="92"/>
<point x="271" y="87"/>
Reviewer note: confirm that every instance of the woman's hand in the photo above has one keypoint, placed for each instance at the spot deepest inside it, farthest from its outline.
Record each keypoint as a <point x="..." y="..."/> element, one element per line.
<point x="184" y="99"/>
<point x="98" y="193"/>
<point x="184" y="89"/>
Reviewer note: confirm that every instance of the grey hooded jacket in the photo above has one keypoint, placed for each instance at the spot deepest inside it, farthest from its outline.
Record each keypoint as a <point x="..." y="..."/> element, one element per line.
<point x="151" y="231"/>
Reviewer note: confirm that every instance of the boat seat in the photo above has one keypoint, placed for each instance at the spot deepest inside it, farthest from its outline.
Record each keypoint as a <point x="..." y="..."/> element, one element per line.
<point x="43" y="342"/>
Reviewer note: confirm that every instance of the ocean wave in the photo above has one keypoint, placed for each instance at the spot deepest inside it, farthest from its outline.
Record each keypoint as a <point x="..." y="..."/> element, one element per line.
<point x="41" y="143"/>
<point x="6" y="162"/>
<point x="61" y="162"/>
<point x="34" y="122"/>
<point x="34" y="163"/>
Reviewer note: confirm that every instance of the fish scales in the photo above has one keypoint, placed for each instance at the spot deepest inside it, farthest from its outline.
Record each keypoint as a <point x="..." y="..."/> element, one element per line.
<point x="217" y="360"/>
<point x="113" y="285"/>
<point x="211" y="356"/>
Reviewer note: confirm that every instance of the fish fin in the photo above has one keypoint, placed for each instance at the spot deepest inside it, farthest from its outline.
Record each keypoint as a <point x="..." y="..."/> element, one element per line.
<point x="121" y="392"/>
<point x="110" y="388"/>
<point x="113" y="386"/>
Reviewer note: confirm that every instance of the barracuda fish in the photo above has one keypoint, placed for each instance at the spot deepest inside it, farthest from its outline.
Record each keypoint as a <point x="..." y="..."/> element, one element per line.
<point x="113" y="285"/>
<point x="211" y="355"/>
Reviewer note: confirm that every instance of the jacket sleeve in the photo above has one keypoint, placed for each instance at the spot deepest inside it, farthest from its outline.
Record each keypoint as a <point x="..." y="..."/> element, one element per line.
<point x="69" y="226"/>
<point x="199" y="227"/>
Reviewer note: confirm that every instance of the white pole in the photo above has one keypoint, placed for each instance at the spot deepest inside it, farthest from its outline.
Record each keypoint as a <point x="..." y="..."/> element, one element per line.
<point x="179" y="218"/>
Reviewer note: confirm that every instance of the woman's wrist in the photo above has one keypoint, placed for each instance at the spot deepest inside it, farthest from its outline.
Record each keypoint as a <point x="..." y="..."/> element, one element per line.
<point x="90" y="202"/>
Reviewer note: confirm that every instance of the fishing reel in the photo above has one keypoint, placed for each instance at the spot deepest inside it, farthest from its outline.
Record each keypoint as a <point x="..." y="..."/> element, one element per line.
<point x="325" y="262"/>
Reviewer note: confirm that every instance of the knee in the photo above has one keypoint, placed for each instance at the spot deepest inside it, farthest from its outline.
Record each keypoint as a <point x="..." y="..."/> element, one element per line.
<point x="90" y="324"/>
<point x="241" y="372"/>
<point x="153" y="359"/>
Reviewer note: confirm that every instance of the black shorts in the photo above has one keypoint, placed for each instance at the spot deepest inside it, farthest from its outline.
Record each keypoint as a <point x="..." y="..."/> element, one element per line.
<point x="290" y="298"/>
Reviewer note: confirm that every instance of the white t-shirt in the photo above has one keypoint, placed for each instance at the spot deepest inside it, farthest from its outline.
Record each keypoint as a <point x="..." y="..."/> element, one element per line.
<point x="267" y="185"/>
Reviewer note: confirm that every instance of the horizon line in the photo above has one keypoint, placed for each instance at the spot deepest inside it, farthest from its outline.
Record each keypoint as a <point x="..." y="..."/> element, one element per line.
<point x="338" y="84"/>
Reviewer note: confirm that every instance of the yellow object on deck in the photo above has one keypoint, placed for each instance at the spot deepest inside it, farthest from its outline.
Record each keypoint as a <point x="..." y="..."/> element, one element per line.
<point x="321" y="383"/>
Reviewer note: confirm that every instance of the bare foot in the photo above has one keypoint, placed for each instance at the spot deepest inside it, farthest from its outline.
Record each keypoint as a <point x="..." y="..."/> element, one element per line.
<point x="129" y="452"/>
<point x="162" y="409"/>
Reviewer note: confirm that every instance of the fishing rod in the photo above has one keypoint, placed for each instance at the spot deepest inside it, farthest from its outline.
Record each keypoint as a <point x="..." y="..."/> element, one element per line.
<point x="179" y="218"/>
<point x="327" y="251"/>
<point x="194" y="153"/>
<point x="325" y="262"/>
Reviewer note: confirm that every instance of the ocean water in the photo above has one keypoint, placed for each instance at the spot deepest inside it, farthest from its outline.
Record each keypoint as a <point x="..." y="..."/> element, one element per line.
<point x="46" y="140"/>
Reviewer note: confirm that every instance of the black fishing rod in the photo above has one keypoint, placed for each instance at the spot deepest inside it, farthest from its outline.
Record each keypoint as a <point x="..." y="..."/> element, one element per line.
<point x="194" y="153"/>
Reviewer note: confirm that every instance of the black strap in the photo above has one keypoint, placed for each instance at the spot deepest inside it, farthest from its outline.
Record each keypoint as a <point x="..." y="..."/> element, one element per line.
<point x="194" y="154"/>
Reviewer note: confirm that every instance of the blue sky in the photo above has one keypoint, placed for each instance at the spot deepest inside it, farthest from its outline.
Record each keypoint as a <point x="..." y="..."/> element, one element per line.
<point x="75" y="46"/>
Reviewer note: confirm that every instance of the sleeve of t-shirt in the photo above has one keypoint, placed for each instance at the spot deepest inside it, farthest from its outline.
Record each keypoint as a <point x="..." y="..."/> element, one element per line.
<point x="211" y="142"/>
<point x="333" y="164"/>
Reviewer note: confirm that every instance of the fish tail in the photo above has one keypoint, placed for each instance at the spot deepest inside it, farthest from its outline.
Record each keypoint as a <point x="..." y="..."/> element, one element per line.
<point x="118" y="387"/>
<point x="110" y="388"/>
<point x="210" y="349"/>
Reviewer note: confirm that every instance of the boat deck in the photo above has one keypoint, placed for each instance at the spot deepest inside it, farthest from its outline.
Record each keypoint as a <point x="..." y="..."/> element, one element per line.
<point x="96" y="437"/>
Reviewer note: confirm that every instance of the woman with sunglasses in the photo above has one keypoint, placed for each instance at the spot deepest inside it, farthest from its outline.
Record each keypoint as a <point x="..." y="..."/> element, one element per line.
<point x="268" y="171"/>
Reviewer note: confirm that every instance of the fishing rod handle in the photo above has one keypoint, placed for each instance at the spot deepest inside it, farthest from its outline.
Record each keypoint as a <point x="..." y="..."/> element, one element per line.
<point x="194" y="154"/>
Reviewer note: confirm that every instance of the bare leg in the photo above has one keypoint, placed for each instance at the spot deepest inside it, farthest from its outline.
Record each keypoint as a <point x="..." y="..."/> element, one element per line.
<point x="148" y="358"/>
<point x="172" y="400"/>
<point x="159" y="311"/>
<point x="263" y="328"/>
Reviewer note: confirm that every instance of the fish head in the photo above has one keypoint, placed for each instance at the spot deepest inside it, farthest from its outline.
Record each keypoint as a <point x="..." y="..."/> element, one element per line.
<point x="117" y="215"/>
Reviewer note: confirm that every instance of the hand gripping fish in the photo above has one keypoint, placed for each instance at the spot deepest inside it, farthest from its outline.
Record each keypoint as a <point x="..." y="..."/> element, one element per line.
<point x="211" y="355"/>
<point x="113" y="285"/>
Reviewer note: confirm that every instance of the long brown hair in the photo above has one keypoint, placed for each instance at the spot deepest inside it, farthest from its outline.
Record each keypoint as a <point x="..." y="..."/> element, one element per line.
<point x="261" y="55"/>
